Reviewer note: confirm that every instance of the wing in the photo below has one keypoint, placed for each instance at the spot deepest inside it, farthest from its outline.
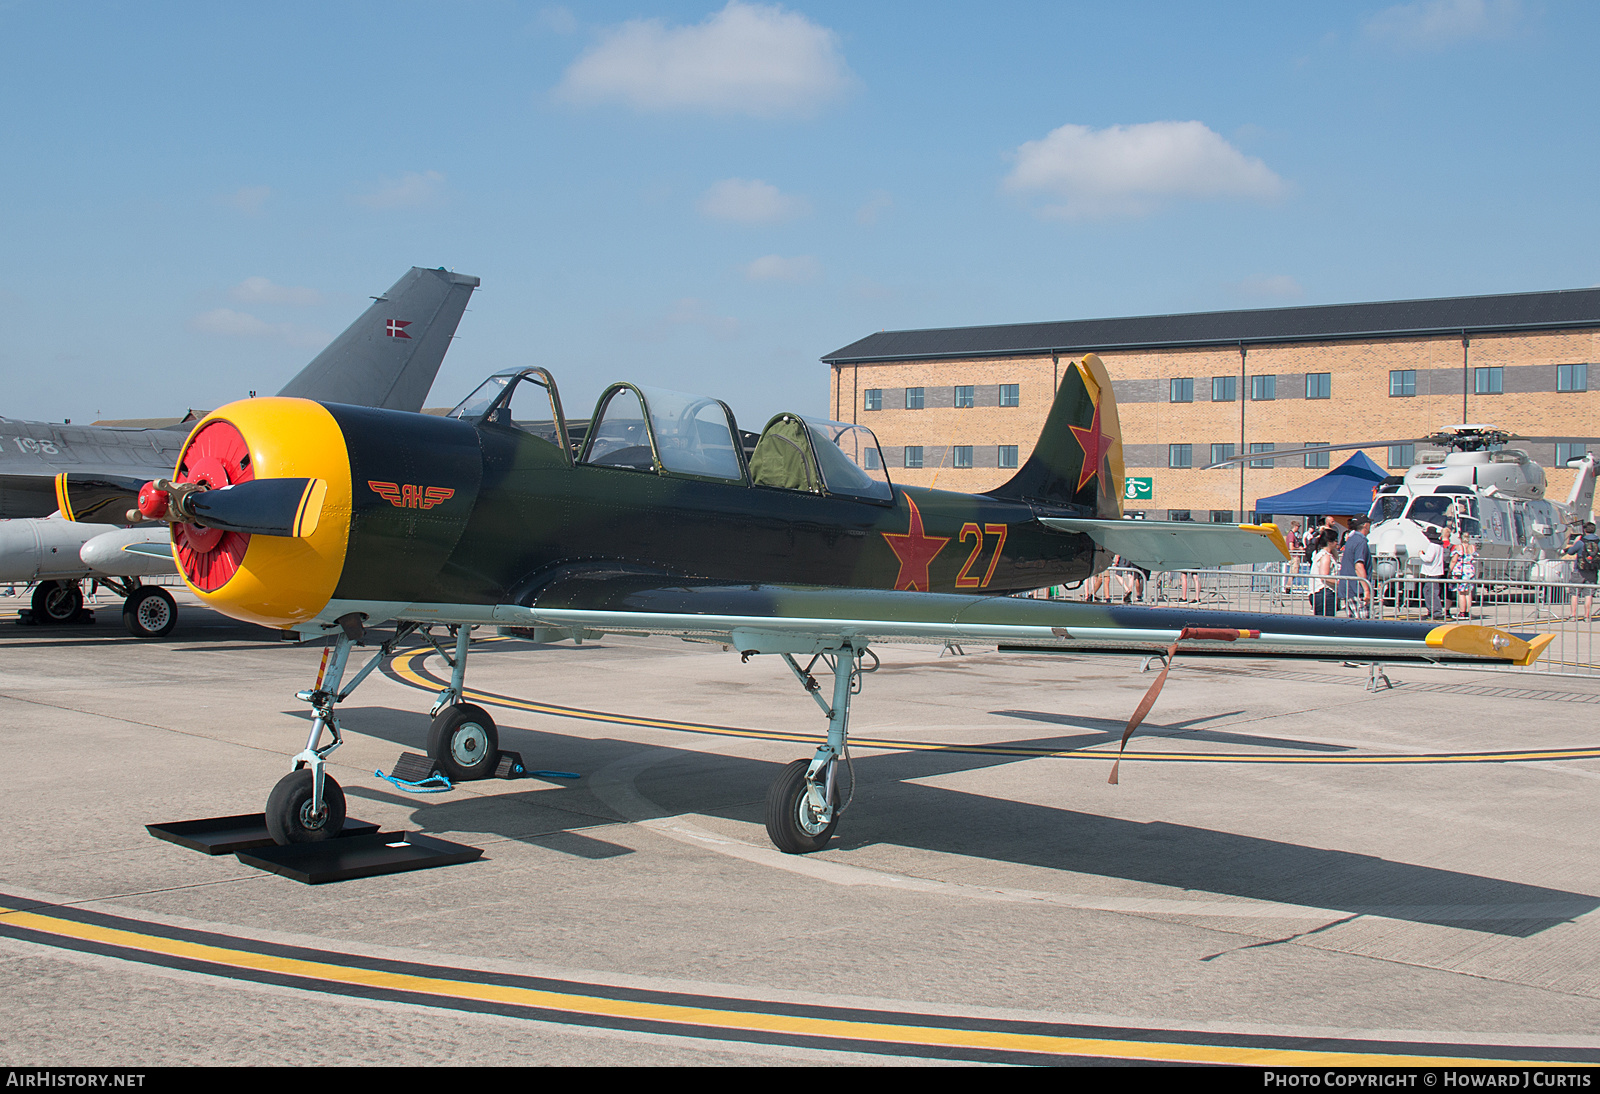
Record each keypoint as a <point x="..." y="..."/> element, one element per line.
<point x="1179" y="545"/>
<point x="794" y="619"/>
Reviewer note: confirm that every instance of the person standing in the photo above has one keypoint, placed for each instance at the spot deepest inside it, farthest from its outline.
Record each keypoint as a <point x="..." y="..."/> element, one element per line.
<point x="1324" y="564"/>
<point x="1355" y="569"/>
<point x="1433" y="572"/>
<point x="1585" y="555"/>
<point x="1464" y="569"/>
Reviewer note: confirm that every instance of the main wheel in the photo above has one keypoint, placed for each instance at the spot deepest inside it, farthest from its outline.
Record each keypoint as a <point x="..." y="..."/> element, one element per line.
<point x="290" y="818"/>
<point x="149" y="613"/>
<point x="57" y="602"/>
<point x="464" y="742"/>
<point x="792" y="824"/>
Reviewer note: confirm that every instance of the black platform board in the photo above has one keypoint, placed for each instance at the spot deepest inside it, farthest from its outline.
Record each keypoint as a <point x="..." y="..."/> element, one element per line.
<point x="230" y="835"/>
<point x="359" y="856"/>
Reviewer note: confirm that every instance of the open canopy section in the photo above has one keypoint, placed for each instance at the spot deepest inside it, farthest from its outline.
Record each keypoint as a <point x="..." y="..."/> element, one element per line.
<point x="653" y="429"/>
<point x="1344" y="491"/>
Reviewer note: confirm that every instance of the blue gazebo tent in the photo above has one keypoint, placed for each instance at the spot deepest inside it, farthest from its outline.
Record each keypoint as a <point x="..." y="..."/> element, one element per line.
<point x="1344" y="491"/>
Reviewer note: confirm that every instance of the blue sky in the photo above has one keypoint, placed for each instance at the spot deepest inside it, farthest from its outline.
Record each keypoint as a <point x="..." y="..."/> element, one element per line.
<point x="195" y="197"/>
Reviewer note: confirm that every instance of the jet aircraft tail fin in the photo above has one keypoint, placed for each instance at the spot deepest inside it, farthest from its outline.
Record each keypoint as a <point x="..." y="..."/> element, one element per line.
<point x="389" y="356"/>
<point x="1078" y="460"/>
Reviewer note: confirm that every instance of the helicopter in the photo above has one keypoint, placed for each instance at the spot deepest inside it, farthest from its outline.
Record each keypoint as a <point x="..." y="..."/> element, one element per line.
<point x="1474" y="485"/>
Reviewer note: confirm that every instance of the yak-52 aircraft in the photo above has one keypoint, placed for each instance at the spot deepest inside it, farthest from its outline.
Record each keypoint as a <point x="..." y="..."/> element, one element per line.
<point x="332" y="519"/>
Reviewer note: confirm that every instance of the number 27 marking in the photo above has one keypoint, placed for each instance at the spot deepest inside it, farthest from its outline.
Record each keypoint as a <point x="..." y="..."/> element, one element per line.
<point x="964" y="580"/>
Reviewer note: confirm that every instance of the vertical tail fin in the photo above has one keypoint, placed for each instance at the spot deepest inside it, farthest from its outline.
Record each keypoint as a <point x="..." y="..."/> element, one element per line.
<point x="389" y="356"/>
<point x="1078" y="460"/>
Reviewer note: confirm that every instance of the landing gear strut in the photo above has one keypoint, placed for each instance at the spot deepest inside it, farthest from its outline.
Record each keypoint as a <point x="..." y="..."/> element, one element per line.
<point x="307" y="805"/>
<point x="803" y="806"/>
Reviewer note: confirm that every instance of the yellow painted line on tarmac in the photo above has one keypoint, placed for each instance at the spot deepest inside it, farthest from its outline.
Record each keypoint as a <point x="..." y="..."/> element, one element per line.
<point x="330" y="974"/>
<point x="405" y="667"/>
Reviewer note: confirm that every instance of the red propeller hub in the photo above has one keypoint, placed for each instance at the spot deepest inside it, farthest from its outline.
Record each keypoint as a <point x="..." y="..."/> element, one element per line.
<point x="153" y="502"/>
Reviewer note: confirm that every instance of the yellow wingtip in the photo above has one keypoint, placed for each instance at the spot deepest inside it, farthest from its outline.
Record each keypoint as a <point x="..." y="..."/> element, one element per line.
<point x="1273" y="533"/>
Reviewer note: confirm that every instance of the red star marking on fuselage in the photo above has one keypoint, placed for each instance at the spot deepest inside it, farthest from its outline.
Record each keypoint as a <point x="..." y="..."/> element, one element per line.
<point x="1095" y="445"/>
<point x="914" y="550"/>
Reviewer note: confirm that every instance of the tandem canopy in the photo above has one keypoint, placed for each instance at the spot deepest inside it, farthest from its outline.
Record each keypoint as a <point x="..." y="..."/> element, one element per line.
<point x="1344" y="491"/>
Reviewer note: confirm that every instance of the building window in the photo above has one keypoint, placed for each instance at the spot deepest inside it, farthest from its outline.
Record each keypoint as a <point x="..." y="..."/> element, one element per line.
<point x="1316" y="459"/>
<point x="1262" y="446"/>
<point x="1220" y="452"/>
<point x="1402" y="383"/>
<point x="961" y="454"/>
<point x="1566" y="452"/>
<point x="1488" y="381"/>
<point x="964" y="397"/>
<point x="1319" y="385"/>
<point x="871" y="455"/>
<point x="1402" y="455"/>
<point x="1222" y="516"/>
<point x="1572" y="377"/>
<point x="1263" y="388"/>
<point x="1180" y="455"/>
<point x="1182" y="389"/>
<point x="1224" y="389"/>
<point x="1179" y="514"/>
<point x="874" y="399"/>
<point x="1010" y="395"/>
<point x="913" y="455"/>
<point x="1008" y="455"/>
<point x="913" y="398"/>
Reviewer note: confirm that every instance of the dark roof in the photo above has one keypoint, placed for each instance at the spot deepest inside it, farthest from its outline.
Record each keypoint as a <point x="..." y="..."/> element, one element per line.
<point x="1391" y="318"/>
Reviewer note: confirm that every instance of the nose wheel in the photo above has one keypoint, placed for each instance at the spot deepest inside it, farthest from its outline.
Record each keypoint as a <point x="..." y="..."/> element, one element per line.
<point x="293" y="815"/>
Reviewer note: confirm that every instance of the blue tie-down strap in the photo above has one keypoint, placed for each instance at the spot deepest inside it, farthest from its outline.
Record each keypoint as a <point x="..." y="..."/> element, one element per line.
<point x="555" y="775"/>
<point x="433" y="784"/>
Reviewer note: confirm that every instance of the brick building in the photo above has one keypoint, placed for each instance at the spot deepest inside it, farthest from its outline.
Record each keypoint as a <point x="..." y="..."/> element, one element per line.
<point x="959" y="407"/>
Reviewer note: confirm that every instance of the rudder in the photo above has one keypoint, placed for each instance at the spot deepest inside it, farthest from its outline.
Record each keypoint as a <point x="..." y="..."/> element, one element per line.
<point x="1078" y="458"/>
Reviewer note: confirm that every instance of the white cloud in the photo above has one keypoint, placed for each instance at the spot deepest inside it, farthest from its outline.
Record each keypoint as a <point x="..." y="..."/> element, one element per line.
<point x="751" y="201"/>
<point x="751" y="59"/>
<point x="248" y="199"/>
<point x="689" y="312"/>
<point x="237" y="324"/>
<point x="407" y="192"/>
<point x="1432" y="24"/>
<point x="1130" y="170"/>
<point x="778" y="268"/>
<point x="258" y="290"/>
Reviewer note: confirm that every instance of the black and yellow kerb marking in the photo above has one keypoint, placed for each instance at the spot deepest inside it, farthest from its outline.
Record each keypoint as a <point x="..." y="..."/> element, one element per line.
<point x="899" y="1033"/>
<point x="407" y="668"/>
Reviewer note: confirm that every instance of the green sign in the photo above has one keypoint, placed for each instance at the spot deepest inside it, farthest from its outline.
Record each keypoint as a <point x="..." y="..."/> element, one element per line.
<point x="1139" y="489"/>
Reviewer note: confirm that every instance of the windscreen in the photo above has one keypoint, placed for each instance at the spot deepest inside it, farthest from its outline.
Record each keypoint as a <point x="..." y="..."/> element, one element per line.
<point x="849" y="459"/>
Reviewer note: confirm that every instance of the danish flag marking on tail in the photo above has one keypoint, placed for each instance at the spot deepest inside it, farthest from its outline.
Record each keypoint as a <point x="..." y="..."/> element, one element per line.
<point x="396" y="328"/>
<point x="411" y="496"/>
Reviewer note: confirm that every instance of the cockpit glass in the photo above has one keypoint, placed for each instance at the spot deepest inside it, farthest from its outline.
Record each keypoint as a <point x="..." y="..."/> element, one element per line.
<point x="849" y="459"/>
<point x="620" y="437"/>
<point x="694" y="434"/>
<point x="477" y="404"/>
<point x="1387" y="507"/>
<point x="1445" y="511"/>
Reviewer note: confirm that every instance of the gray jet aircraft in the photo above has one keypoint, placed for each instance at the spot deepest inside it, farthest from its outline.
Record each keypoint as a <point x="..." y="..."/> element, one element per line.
<point x="387" y="358"/>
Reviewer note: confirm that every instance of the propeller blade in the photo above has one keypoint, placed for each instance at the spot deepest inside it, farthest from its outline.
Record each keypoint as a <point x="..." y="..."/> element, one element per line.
<point x="96" y="499"/>
<point x="261" y="507"/>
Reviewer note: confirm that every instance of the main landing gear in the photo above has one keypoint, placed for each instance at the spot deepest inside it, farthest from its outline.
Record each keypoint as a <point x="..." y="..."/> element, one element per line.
<point x="803" y="806"/>
<point x="307" y="804"/>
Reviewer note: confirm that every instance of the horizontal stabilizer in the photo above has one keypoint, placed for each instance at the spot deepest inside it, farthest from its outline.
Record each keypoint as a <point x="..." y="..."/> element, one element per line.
<point x="262" y="507"/>
<point x="1179" y="544"/>
<point x="96" y="499"/>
